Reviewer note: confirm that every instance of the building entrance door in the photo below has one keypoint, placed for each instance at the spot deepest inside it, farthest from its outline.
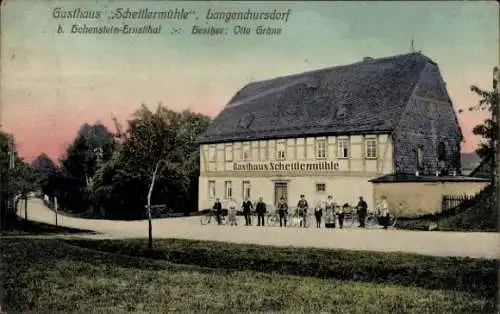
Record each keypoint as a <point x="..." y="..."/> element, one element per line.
<point x="280" y="190"/>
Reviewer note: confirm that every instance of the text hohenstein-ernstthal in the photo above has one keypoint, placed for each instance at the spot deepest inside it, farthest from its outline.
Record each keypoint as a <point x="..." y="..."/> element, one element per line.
<point x="330" y="131"/>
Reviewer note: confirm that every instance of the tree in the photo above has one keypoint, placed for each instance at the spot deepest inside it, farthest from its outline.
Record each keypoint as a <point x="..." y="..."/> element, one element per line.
<point x="488" y="130"/>
<point x="93" y="146"/>
<point x="16" y="178"/>
<point x="194" y="124"/>
<point x="24" y="182"/>
<point x="5" y="160"/>
<point x="44" y="169"/>
<point x="157" y="156"/>
<point x="154" y="141"/>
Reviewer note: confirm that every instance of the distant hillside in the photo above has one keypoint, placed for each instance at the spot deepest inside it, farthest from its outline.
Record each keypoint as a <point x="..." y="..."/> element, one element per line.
<point x="469" y="160"/>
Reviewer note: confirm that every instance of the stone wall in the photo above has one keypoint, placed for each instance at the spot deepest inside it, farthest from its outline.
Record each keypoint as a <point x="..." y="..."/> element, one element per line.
<point x="428" y="120"/>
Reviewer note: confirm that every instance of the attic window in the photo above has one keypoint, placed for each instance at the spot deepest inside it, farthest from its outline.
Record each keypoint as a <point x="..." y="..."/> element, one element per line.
<point x="312" y="85"/>
<point x="342" y="111"/>
<point x="246" y="121"/>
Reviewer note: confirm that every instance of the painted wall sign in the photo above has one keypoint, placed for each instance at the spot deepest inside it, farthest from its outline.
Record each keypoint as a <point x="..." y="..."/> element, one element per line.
<point x="285" y="166"/>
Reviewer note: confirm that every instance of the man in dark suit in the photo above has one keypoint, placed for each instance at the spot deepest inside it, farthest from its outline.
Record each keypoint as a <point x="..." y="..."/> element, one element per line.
<point x="362" y="209"/>
<point x="302" y="207"/>
<point x="247" y="209"/>
<point x="282" y="210"/>
<point x="218" y="210"/>
<point x="261" y="209"/>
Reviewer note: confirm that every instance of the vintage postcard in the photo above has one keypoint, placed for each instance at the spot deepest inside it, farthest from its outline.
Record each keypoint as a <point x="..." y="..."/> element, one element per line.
<point x="249" y="156"/>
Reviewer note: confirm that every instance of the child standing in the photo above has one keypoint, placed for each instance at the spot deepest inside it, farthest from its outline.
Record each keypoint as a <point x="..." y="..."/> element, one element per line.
<point x="318" y="213"/>
<point x="232" y="212"/>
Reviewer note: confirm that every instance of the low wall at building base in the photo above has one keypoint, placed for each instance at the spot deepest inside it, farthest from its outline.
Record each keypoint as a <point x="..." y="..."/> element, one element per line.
<point x="417" y="196"/>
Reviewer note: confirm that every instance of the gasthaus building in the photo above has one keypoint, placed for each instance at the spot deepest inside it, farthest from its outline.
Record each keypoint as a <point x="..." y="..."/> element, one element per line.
<point x="330" y="131"/>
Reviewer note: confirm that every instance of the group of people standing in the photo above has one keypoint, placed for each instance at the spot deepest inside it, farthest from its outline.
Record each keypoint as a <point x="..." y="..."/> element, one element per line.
<point x="329" y="206"/>
<point x="247" y="207"/>
<point x="332" y="209"/>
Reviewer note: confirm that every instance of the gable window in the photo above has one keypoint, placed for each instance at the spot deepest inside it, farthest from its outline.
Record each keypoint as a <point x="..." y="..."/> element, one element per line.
<point x="429" y="110"/>
<point x="229" y="152"/>
<point x="280" y="151"/>
<point x="212" y="153"/>
<point x="321" y="149"/>
<point x="246" y="153"/>
<point x="371" y="148"/>
<point x="228" y="190"/>
<point x="211" y="189"/>
<point x="441" y="151"/>
<point x="320" y="187"/>
<point x="420" y="158"/>
<point x="263" y="153"/>
<point x="246" y="189"/>
<point x="343" y="147"/>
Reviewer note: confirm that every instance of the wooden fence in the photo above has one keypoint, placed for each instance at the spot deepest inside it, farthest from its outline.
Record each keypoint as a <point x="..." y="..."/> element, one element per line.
<point x="451" y="204"/>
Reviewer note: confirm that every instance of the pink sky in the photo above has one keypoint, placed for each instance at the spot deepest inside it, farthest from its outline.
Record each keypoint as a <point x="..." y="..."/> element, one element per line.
<point x="51" y="84"/>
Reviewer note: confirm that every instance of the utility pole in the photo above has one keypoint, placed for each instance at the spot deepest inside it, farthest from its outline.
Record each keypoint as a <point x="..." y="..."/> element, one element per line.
<point x="55" y="207"/>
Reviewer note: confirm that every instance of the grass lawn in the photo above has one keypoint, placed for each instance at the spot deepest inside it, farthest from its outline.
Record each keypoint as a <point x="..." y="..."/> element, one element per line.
<point x="53" y="276"/>
<point x="452" y="273"/>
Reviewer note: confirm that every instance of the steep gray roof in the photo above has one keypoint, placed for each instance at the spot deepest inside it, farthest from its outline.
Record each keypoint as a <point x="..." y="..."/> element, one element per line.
<point x="367" y="96"/>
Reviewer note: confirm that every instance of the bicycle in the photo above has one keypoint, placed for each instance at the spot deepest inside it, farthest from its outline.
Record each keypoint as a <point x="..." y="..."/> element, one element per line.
<point x="350" y="217"/>
<point x="373" y="219"/>
<point x="273" y="219"/>
<point x="297" y="220"/>
<point x="211" y="217"/>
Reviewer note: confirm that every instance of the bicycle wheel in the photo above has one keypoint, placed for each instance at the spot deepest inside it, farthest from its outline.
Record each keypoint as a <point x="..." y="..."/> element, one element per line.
<point x="273" y="220"/>
<point x="348" y="220"/>
<point x="371" y="221"/>
<point x="294" y="220"/>
<point x="205" y="219"/>
<point x="392" y="221"/>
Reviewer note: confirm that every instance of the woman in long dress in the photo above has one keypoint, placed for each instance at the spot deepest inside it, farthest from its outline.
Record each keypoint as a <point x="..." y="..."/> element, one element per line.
<point x="330" y="212"/>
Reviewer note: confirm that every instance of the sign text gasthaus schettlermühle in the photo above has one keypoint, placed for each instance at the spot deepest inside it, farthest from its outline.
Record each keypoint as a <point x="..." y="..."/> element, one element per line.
<point x="285" y="166"/>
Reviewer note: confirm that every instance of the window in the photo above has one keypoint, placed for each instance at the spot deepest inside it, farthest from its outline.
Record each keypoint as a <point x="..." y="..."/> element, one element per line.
<point x="246" y="154"/>
<point x="263" y="153"/>
<point x="246" y="189"/>
<point x="320" y="187"/>
<point x="371" y="148"/>
<point x="441" y="151"/>
<point x="280" y="151"/>
<point x="212" y="153"/>
<point x="229" y="152"/>
<point x="211" y="189"/>
<point x="429" y="110"/>
<point x="229" y="190"/>
<point x="321" y="149"/>
<point x="343" y="148"/>
<point x="420" y="158"/>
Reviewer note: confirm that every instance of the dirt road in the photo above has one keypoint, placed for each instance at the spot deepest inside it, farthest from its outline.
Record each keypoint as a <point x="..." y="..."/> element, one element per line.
<point x="477" y="245"/>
